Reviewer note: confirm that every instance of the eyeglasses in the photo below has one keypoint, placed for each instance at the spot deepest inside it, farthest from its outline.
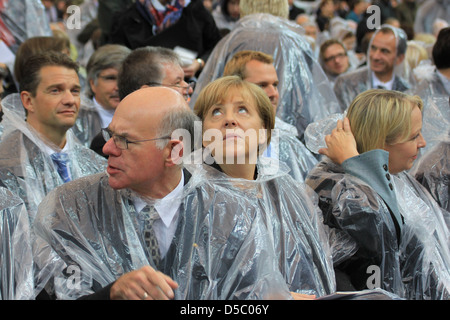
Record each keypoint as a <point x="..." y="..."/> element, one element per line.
<point x="121" y="142"/>
<point x="339" y="55"/>
<point x="191" y="84"/>
<point x="108" y="78"/>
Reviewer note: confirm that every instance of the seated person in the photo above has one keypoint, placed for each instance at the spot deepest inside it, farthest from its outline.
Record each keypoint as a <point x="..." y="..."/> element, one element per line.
<point x="237" y="121"/>
<point x="38" y="151"/>
<point x="257" y="67"/>
<point x="148" y="228"/>
<point x="396" y="234"/>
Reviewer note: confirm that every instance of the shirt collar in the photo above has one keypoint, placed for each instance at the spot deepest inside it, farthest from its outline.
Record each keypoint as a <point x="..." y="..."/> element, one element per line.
<point x="376" y="82"/>
<point x="105" y="115"/>
<point x="167" y="207"/>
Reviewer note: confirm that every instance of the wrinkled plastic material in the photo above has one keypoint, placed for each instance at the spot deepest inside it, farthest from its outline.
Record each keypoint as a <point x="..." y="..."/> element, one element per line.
<point x="25" y="19"/>
<point x="88" y="123"/>
<point x="305" y="92"/>
<point x="432" y="170"/>
<point x="285" y="146"/>
<point x="349" y="85"/>
<point x="416" y="268"/>
<point x="16" y="259"/>
<point x="25" y="169"/>
<point x="236" y="239"/>
<point x="436" y="111"/>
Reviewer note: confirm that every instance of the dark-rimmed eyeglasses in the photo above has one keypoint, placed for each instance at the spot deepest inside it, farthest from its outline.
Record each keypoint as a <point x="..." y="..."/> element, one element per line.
<point x="121" y="142"/>
<point x="339" y="55"/>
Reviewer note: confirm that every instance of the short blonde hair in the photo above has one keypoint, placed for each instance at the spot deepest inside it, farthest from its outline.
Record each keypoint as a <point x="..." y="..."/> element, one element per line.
<point x="279" y="8"/>
<point x="381" y="117"/>
<point x="236" y="66"/>
<point x="216" y="91"/>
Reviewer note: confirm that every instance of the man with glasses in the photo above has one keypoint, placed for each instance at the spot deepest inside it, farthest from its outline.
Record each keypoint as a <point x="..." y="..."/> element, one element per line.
<point x="148" y="67"/>
<point x="334" y="59"/>
<point x="102" y="98"/>
<point x="145" y="229"/>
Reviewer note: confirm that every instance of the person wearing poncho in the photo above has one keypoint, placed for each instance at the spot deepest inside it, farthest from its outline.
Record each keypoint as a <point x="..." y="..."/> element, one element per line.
<point x="389" y="232"/>
<point x="27" y="146"/>
<point x="217" y="248"/>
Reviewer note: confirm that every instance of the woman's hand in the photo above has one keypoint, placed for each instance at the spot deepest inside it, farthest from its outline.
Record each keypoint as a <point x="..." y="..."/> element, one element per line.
<point x="341" y="143"/>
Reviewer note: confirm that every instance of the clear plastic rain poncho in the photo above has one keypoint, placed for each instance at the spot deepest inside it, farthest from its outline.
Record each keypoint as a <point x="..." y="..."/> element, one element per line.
<point x="350" y="84"/>
<point x="88" y="123"/>
<point x="16" y="259"/>
<point x="25" y="19"/>
<point x="432" y="170"/>
<point x="235" y="239"/>
<point x="285" y="146"/>
<point x="305" y="93"/>
<point x="417" y="266"/>
<point x="28" y="171"/>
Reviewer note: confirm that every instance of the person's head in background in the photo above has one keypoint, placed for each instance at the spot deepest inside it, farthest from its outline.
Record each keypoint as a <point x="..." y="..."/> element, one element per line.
<point x="388" y="120"/>
<point x="152" y="66"/>
<point x="386" y="51"/>
<point x="333" y="57"/>
<point x="102" y="74"/>
<point x="255" y="67"/>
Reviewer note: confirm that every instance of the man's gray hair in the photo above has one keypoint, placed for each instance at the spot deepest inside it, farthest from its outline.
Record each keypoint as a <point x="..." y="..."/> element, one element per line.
<point x="177" y="118"/>
<point x="144" y="66"/>
<point x="105" y="57"/>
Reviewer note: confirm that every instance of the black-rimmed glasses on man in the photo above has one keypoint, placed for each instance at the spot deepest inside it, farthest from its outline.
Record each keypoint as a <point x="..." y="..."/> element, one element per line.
<point x="121" y="142"/>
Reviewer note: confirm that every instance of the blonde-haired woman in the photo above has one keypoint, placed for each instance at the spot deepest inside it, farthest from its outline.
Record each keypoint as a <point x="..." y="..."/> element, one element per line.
<point x="390" y="232"/>
<point x="237" y="119"/>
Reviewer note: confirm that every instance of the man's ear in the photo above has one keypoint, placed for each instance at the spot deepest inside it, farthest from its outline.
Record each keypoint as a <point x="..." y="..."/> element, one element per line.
<point x="175" y="154"/>
<point x="27" y="101"/>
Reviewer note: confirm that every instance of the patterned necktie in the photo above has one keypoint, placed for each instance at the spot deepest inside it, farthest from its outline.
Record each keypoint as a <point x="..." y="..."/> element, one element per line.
<point x="61" y="159"/>
<point x="150" y="215"/>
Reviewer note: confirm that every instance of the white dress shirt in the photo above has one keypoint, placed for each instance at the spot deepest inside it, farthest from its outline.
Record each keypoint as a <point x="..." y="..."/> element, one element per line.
<point x="105" y="115"/>
<point x="168" y="210"/>
<point x="376" y="82"/>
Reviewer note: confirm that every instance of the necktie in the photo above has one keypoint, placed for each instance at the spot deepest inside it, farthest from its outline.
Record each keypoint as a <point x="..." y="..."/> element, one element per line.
<point x="61" y="159"/>
<point x="150" y="215"/>
<point x="380" y="87"/>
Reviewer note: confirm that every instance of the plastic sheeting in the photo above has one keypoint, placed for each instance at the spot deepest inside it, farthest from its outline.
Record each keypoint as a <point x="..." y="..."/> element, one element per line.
<point x="16" y="259"/>
<point x="25" y="19"/>
<point x="305" y="92"/>
<point x="432" y="170"/>
<point x="236" y="239"/>
<point x="88" y="123"/>
<point x="25" y="169"/>
<point x="417" y="266"/>
<point x="285" y="146"/>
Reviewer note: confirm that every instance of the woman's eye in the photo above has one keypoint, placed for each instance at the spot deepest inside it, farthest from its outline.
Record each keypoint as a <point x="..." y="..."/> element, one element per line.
<point x="242" y="110"/>
<point x="215" y="112"/>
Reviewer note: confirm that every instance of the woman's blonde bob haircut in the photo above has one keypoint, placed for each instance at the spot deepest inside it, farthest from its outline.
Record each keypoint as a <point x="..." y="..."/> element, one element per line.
<point x="381" y="117"/>
<point x="218" y="90"/>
